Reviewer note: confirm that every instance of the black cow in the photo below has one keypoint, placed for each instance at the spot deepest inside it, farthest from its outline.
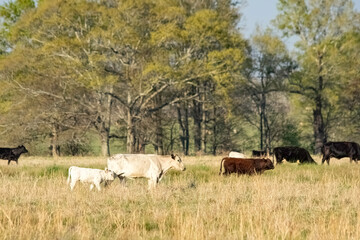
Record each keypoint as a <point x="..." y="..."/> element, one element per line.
<point x="259" y="153"/>
<point x="292" y="154"/>
<point x="12" y="154"/>
<point x="339" y="150"/>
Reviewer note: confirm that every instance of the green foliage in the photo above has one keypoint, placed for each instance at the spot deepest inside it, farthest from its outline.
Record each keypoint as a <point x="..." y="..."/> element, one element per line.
<point x="65" y="59"/>
<point x="321" y="78"/>
<point x="10" y="12"/>
<point x="290" y="135"/>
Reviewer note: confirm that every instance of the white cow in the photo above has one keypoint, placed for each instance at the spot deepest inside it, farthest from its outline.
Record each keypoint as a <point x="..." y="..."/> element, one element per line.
<point x="233" y="154"/>
<point x="150" y="166"/>
<point x="89" y="175"/>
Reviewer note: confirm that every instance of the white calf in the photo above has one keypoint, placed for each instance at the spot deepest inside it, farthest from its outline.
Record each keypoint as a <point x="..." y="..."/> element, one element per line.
<point x="89" y="175"/>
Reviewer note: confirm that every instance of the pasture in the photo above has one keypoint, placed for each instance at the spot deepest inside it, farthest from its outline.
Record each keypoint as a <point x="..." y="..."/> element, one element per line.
<point x="289" y="202"/>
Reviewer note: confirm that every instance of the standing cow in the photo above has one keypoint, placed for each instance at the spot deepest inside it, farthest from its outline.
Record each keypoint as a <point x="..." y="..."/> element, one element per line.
<point x="89" y="175"/>
<point x="293" y="154"/>
<point x="12" y="154"/>
<point x="150" y="166"/>
<point x="339" y="150"/>
<point x="234" y="154"/>
<point x="245" y="165"/>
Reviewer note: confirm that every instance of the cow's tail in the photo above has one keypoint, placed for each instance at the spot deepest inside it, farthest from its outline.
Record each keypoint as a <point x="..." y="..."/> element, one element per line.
<point x="221" y="163"/>
<point x="309" y="156"/>
<point x="69" y="175"/>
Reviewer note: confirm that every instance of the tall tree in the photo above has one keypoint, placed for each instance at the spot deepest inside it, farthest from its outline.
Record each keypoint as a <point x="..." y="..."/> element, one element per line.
<point x="10" y="12"/>
<point x="267" y="72"/>
<point x="318" y="24"/>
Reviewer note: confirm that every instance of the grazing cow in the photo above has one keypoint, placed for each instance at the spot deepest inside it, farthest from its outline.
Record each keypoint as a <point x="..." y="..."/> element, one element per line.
<point x="150" y="166"/>
<point x="245" y="165"/>
<point x="90" y="175"/>
<point x="292" y="154"/>
<point x="12" y="154"/>
<point x="257" y="153"/>
<point x="339" y="150"/>
<point x="233" y="154"/>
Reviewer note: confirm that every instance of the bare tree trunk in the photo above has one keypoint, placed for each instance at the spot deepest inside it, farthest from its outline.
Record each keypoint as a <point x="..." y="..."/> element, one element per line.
<point x="105" y="146"/>
<point x="203" y="120"/>
<point x="215" y="135"/>
<point x="319" y="129"/>
<point x="318" y="124"/>
<point x="266" y="127"/>
<point x="130" y="137"/>
<point x="159" y="137"/>
<point x="103" y="122"/>
<point x="55" y="149"/>
<point x="197" y="121"/>
<point x="261" y="127"/>
<point x="184" y="125"/>
<point x="159" y="129"/>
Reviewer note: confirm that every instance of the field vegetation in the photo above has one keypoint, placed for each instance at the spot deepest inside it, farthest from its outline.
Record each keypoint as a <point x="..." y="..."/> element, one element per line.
<point x="289" y="202"/>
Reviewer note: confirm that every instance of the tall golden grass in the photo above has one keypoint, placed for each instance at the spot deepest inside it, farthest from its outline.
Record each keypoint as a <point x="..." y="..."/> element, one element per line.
<point x="289" y="202"/>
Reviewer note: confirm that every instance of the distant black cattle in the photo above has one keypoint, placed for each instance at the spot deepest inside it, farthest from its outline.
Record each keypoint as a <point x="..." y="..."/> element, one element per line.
<point x="12" y="154"/>
<point x="258" y="153"/>
<point x="339" y="150"/>
<point x="292" y="154"/>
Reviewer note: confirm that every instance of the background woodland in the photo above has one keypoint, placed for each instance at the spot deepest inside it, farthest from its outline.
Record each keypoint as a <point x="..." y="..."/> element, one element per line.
<point x="97" y="77"/>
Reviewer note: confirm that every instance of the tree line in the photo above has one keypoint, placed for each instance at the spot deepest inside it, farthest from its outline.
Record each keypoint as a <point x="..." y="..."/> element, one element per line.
<point x="178" y="75"/>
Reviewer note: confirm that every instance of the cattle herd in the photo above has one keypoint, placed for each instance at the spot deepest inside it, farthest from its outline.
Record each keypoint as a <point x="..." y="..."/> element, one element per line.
<point x="153" y="167"/>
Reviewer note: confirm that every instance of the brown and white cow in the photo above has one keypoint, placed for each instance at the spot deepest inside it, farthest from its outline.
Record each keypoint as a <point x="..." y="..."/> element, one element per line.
<point x="245" y="165"/>
<point x="150" y="166"/>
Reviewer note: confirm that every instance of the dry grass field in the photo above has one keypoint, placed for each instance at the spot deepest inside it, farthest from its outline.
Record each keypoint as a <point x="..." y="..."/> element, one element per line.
<point x="289" y="202"/>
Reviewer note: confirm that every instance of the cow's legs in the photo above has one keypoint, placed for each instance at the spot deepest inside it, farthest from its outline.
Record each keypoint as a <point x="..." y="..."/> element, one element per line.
<point x="353" y="158"/>
<point x="91" y="186"/>
<point x="98" y="186"/>
<point x="327" y="160"/>
<point x="152" y="183"/>
<point x="72" y="185"/>
<point x="9" y="162"/>
<point x="122" y="180"/>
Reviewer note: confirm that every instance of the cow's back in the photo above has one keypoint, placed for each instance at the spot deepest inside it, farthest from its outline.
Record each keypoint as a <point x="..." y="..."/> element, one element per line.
<point x="234" y="154"/>
<point x="5" y="153"/>
<point x="133" y="165"/>
<point x="238" y="165"/>
<point x="84" y="174"/>
<point x="341" y="149"/>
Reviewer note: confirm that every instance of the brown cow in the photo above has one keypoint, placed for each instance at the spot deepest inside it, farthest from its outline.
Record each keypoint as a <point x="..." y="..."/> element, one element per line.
<point x="245" y="165"/>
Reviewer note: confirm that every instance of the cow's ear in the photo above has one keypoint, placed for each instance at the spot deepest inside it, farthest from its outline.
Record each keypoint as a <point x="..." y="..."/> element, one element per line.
<point x="106" y="169"/>
<point x="173" y="156"/>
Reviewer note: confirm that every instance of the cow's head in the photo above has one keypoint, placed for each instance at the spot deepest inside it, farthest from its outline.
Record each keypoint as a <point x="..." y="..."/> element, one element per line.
<point x="109" y="175"/>
<point x="268" y="164"/>
<point x="19" y="150"/>
<point x="22" y="149"/>
<point x="177" y="163"/>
